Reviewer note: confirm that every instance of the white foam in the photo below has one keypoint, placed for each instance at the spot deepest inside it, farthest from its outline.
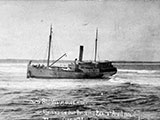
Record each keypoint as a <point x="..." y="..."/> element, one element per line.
<point x="14" y="76"/>
<point x="139" y="71"/>
<point x="53" y="83"/>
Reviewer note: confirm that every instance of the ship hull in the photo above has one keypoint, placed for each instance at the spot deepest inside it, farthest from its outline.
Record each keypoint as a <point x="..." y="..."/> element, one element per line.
<point x="46" y="73"/>
<point x="79" y="69"/>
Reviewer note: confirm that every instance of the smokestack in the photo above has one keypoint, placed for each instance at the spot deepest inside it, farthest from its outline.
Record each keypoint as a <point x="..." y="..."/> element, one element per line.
<point x="81" y="53"/>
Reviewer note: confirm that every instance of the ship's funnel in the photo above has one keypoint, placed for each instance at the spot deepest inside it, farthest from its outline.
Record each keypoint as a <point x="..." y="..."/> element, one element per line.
<point x="81" y="53"/>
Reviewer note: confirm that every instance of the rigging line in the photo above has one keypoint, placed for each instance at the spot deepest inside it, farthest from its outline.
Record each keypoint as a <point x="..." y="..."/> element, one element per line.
<point x="52" y="51"/>
<point x="41" y="48"/>
<point x="98" y="58"/>
<point x="98" y="47"/>
<point x="53" y="47"/>
<point x="92" y="55"/>
<point x="37" y="48"/>
<point x="59" y="48"/>
<point x="46" y="51"/>
<point x="34" y="56"/>
<point x="34" y="53"/>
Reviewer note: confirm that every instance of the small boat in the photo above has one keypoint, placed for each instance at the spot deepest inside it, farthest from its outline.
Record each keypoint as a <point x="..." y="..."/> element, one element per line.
<point x="78" y="69"/>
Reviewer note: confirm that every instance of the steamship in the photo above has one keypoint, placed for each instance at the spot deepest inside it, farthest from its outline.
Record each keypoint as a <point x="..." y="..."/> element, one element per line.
<point x="78" y="69"/>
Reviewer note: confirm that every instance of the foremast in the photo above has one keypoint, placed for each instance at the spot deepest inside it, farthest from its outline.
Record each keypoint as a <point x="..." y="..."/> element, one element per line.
<point x="95" y="56"/>
<point x="49" y="48"/>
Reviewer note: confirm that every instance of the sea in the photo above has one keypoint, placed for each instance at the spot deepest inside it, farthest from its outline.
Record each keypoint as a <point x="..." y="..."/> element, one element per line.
<point x="133" y="93"/>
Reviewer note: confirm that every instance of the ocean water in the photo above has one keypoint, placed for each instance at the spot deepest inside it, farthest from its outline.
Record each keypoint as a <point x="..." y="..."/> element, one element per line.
<point x="131" y="94"/>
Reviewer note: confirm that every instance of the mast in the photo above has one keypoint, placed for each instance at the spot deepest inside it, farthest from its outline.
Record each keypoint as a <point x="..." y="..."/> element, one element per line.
<point x="50" y="38"/>
<point x="95" y="56"/>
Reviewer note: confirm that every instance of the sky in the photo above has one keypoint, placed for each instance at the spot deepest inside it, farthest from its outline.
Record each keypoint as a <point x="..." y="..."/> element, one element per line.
<point x="127" y="29"/>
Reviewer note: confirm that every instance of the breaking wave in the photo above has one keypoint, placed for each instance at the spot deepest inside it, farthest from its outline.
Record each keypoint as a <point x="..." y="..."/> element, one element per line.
<point x="130" y="94"/>
<point x="139" y="71"/>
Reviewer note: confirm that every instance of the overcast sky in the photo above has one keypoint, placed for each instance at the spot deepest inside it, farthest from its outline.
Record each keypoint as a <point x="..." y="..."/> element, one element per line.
<point x="128" y="30"/>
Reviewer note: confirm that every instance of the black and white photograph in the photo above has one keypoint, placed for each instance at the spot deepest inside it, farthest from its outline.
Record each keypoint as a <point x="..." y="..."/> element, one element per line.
<point x="79" y="59"/>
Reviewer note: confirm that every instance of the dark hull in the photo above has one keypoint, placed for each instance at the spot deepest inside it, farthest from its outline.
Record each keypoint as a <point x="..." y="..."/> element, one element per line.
<point x="46" y="73"/>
